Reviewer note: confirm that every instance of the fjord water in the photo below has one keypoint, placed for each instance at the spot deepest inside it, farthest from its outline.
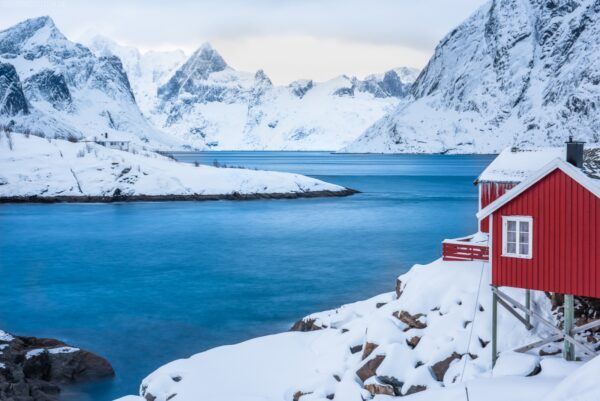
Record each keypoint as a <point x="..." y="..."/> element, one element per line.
<point x="146" y="283"/>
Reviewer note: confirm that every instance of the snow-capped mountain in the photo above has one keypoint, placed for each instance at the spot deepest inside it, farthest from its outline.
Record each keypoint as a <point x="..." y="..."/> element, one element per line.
<point x="517" y="72"/>
<point x="207" y="103"/>
<point x="68" y="90"/>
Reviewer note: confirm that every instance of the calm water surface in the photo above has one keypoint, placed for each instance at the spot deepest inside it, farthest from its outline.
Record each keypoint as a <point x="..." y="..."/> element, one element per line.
<point x="146" y="283"/>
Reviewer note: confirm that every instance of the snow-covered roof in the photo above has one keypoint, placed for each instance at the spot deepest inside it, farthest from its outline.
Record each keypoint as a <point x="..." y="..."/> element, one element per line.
<point x="515" y="165"/>
<point x="592" y="185"/>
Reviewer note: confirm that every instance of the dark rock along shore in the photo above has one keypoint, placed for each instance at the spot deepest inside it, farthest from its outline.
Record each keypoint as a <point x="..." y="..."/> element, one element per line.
<point x="32" y="369"/>
<point x="163" y="198"/>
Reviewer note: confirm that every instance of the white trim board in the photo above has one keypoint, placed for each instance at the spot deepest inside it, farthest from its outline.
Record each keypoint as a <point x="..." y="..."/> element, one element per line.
<point x="567" y="168"/>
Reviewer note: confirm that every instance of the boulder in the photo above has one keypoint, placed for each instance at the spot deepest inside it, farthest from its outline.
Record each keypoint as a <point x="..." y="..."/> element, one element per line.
<point x="356" y="348"/>
<point x="368" y="349"/>
<point x="34" y="367"/>
<point x="298" y="394"/>
<point x="306" y="325"/>
<point x="369" y="368"/>
<point x="440" y="368"/>
<point x="412" y="321"/>
<point x="398" y="288"/>
<point x="413" y="341"/>
<point x="415" y="389"/>
<point x="376" y="388"/>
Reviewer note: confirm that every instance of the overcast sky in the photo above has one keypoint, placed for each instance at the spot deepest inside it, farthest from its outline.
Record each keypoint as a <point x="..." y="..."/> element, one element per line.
<point x="289" y="39"/>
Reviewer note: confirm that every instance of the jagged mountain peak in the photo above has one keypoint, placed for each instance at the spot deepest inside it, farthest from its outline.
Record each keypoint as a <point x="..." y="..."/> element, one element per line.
<point x="515" y="73"/>
<point x="261" y="78"/>
<point x="206" y="60"/>
<point x="31" y="32"/>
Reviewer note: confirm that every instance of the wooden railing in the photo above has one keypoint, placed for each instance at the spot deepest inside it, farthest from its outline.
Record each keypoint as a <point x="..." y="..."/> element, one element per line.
<point x="462" y="249"/>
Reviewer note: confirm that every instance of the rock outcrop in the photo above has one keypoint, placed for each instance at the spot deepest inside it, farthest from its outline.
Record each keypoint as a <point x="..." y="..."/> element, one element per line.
<point x="32" y="369"/>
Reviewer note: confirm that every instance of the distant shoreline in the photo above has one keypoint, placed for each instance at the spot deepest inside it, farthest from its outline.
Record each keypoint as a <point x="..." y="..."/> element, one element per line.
<point x="166" y="198"/>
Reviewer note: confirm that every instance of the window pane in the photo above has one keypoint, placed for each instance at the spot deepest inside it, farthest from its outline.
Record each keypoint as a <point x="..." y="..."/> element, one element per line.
<point x="524" y="249"/>
<point x="524" y="226"/>
<point x="511" y="247"/>
<point x="511" y="225"/>
<point x="524" y="237"/>
<point x="511" y="236"/>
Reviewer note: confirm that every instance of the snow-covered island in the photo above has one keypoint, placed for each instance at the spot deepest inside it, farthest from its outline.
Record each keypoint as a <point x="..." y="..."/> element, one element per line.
<point x="44" y="170"/>
<point x="428" y="340"/>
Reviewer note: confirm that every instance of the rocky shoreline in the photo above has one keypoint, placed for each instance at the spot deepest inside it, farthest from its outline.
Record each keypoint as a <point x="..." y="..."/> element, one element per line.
<point x="163" y="198"/>
<point x="34" y="369"/>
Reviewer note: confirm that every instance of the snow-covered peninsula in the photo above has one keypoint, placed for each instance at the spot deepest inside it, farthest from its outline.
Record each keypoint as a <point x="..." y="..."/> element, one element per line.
<point x="430" y="340"/>
<point x="43" y="169"/>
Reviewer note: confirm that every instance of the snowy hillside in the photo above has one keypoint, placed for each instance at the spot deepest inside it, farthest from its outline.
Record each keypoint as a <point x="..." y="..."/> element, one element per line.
<point x="517" y="72"/>
<point x="207" y="103"/>
<point x="430" y="338"/>
<point x="54" y="168"/>
<point x="51" y="85"/>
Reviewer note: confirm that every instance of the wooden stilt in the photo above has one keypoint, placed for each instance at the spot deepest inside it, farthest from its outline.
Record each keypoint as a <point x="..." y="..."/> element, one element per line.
<point x="528" y="306"/>
<point x="494" y="328"/>
<point x="569" y="311"/>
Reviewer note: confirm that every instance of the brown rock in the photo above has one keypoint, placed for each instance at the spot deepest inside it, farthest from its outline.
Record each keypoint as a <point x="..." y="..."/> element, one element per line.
<point x="369" y="368"/>
<point x="305" y="325"/>
<point x="411" y="320"/>
<point x="298" y="394"/>
<point x="413" y="342"/>
<point x="369" y="347"/>
<point x="398" y="288"/>
<point x="415" y="389"/>
<point x="375" y="389"/>
<point x="440" y="368"/>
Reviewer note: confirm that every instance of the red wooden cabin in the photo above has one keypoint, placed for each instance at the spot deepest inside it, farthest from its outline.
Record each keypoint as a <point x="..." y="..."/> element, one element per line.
<point x="544" y="233"/>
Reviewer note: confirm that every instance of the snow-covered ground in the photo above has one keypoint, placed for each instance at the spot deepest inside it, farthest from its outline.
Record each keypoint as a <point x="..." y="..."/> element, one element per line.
<point x="33" y="166"/>
<point x="429" y="340"/>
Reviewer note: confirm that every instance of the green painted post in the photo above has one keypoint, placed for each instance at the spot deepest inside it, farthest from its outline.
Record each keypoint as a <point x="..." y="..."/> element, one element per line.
<point x="494" y="328"/>
<point x="528" y="306"/>
<point x="569" y="310"/>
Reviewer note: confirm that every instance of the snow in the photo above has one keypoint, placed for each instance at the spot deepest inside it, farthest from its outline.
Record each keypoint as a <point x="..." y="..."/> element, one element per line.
<point x="4" y="336"/>
<point x="59" y="350"/>
<point x="515" y="364"/>
<point x="454" y="299"/>
<point x="582" y="385"/>
<point x="514" y="165"/>
<point x="515" y="73"/>
<point x="228" y="109"/>
<point x="52" y="167"/>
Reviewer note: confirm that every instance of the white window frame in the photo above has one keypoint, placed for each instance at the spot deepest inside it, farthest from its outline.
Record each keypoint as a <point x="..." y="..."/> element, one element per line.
<point x="517" y="219"/>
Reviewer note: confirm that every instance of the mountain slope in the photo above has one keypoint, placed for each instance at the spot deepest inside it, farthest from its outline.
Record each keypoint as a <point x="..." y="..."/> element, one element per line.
<point x="207" y="103"/>
<point x="517" y="72"/>
<point x="69" y="90"/>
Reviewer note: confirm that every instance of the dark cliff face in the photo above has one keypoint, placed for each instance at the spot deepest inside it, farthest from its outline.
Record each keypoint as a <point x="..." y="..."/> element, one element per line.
<point x="12" y="98"/>
<point x="50" y="86"/>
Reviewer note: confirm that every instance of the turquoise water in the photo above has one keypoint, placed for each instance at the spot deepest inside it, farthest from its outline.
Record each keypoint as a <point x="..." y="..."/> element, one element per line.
<point x="146" y="283"/>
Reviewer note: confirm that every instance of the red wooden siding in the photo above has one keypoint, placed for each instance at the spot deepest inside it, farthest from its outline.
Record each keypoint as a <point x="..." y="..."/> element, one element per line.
<point x="566" y="244"/>
<point x="490" y="191"/>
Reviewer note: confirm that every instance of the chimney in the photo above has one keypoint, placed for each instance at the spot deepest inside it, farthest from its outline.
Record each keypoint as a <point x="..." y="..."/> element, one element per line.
<point x="575" y="152"/>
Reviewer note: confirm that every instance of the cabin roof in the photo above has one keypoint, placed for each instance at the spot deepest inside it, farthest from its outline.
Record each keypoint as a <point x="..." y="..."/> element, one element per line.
<point x="591" y="184"/>
<point x="515" y="165"/>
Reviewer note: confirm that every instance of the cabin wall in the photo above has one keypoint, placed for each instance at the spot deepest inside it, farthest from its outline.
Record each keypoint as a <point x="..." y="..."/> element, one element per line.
<point x="489" y="192"/>
<point x="566" y="241"/>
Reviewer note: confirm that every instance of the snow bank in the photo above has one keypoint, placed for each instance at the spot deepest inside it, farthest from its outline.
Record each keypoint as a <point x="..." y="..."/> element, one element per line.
<point x="433" y="334"/>
<point x="582" y="385"/>
<point x="33" y="166"/>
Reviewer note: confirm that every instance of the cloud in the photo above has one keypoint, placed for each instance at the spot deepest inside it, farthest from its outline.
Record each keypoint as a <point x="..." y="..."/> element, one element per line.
<point x="410" y="27"/>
